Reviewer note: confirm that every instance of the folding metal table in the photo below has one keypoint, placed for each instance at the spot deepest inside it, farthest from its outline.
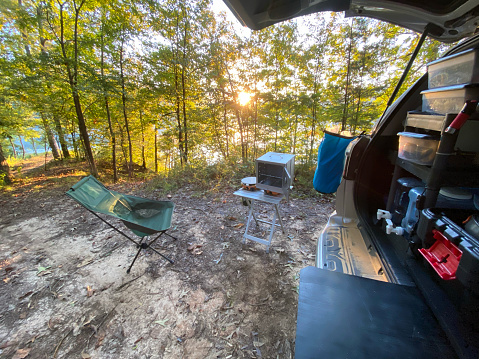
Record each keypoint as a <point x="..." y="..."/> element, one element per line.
<point x="251" y="197"/>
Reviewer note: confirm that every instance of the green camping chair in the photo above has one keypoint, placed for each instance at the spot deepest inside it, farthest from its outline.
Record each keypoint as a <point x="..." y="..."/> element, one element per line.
<point x="142" y="216"/>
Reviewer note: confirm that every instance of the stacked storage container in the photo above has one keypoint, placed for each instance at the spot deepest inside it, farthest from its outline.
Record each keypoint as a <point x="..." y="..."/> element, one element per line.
<point x="451" y="82"/>
<point x="447" y="246"/>
<point x="435" y="185"/>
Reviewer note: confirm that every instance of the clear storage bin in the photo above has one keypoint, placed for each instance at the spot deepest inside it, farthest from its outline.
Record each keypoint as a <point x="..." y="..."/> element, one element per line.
<point x="425" y="120"/>
<point x="456" y="69"/>
<point x="448" y="99"/>
<point x="418" y="148"/>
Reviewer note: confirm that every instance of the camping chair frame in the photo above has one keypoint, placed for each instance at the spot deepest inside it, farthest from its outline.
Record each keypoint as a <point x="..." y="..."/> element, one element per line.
<point x="142" y="244"/>
<point x="95" y="197"/>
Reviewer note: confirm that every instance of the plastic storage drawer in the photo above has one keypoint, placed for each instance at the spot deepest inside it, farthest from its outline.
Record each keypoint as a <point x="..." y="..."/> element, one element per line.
<point x="425" y="120"/>
<point x="417" y="148"/>
<point x="448" y="99"/>
<point x="453" y="70"/>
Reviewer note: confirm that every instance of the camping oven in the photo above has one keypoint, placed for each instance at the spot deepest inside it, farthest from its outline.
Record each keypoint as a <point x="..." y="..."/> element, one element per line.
<point x="275" y="172"/>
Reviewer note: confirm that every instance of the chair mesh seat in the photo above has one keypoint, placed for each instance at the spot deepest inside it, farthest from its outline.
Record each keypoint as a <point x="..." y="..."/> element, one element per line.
<point x="151" y="214"/>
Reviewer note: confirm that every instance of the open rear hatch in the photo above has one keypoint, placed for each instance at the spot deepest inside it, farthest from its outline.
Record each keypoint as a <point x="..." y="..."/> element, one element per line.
<point x="450" y="20"/>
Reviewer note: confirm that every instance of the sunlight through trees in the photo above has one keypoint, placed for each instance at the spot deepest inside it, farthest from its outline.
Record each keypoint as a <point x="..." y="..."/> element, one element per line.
<point x="154" y="85"/>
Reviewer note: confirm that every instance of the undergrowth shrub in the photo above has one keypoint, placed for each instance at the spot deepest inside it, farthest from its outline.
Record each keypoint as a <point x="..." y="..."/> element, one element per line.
<point x="203" y="176"/>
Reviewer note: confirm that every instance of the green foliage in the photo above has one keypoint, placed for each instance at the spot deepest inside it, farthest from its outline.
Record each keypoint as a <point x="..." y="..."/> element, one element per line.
<point x="2" y="179"/>
<point x="160" y="81"/>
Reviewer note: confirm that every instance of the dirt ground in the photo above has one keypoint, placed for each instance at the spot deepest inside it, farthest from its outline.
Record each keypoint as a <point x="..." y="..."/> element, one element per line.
<point x="65" y="292"/>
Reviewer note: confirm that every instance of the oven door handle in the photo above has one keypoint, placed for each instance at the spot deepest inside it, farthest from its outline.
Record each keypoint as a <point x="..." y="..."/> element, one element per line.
<point x="289" y="183"/>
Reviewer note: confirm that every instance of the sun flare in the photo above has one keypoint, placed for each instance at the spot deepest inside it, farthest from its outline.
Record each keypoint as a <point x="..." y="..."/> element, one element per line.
<point x="244" y="97"/>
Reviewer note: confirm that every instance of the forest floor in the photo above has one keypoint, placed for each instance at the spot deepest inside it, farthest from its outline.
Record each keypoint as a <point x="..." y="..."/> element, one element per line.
<point x="65" y="292"/>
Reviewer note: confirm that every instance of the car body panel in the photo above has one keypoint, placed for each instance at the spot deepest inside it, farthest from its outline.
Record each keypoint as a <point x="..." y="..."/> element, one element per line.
<point x="449" y="21"/>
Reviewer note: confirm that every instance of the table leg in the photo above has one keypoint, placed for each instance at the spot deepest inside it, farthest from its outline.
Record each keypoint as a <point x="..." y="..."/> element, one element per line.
<point x="271" y="231"/>
<point x="250" y="214"/>
<point x="279" y="217"/>
<point x="257" y="224"/>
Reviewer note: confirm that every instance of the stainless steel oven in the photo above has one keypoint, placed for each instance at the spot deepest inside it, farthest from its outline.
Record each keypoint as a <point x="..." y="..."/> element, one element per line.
<point x="275" y="172"/>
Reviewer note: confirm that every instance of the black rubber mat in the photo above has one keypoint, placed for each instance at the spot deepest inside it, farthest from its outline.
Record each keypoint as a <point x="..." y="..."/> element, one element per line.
<point x="344" y="316"/>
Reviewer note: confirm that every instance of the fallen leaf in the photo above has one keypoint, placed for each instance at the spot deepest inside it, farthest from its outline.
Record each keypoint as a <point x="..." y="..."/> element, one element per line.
<point x="100" y="340"/>
<point x="197" y="253"/>
<point x="22" y="353"/>
<point x="85" y="262"/>
<point x="231" y="218"/>
<point x="162" y="322"/>
<point x="76" y="329"/>
<point x="239" y="225"/>
<point x="42" y="269"/>
<point x="85" y="356"/>
<point x="194" y="246"/>
<point x="47" y="272"/>
<point x="25" y="295"/>
<point x="85" y="323"/>
<point x="89" y="291"/>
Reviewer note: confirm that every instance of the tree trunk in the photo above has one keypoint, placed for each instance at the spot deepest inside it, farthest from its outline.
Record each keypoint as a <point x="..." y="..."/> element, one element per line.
<point x="33" y="145"/>
<point x="143" y="157"/>
<point x="217" y="131"/>
<point x="225" y="123"/>
<point x="13" y="146"/>
<point x="4" y="168"/>
<point x="73" y="81"/>
<point x="185" y="127"/>
<point x="313" y="123"/>
<point x="52" y="142"/>
<point x="125" y="117"/>
<point x="295" y="133"/>
<point x="348" y="76"/>
<point x="61" y="137"/>
<point x="183" y="88"/>
<point x="74" y="140"/>
<point x="22" y="145"/>
<point x="113" y="140"/>
<point x="156" y="149"/>
<point x="243" y="146"/>
<point x="275" y="127"/>
<point x="107" y="108"/>
<point x="255" y="142"/>
<point x="178" y="118"/>
<point x="122" y="144"/>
